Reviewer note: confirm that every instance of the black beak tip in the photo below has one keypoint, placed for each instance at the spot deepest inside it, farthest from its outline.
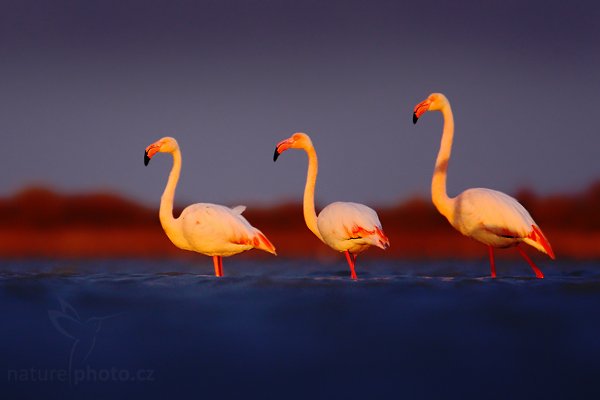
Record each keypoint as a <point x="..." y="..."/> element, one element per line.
<point x="146" y="159"/>
<point x="275" y="155"/>
<point x="415" y="118"/>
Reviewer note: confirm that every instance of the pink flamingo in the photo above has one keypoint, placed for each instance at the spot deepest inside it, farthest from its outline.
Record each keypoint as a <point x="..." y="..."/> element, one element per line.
<point x="346" y="227"/>
<point x="489" y="216"/>
<point x="209" y="229"/>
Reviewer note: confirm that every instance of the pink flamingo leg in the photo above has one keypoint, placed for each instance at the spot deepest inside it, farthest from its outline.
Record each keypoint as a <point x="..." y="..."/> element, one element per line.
<point x="534" y="267"/>
<point x="351" y="260"/>
<point x="492" y="262"/>
<point x="218" y="262"/>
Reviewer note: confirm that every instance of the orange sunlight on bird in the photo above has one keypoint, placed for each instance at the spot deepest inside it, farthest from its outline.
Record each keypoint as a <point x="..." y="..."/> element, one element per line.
<point x="346" y="227"/>
<point x="486" y="215"/>
<point x="209" y="229"/>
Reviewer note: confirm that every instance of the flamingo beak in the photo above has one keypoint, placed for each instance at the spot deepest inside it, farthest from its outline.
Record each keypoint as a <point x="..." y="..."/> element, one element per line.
<point x="420" y="109"/>
<point x="150" y="152"/>
<point x="281" y="147"/>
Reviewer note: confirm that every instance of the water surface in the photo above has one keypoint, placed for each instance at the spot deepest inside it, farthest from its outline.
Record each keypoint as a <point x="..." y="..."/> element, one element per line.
<point x="298" y="329"/>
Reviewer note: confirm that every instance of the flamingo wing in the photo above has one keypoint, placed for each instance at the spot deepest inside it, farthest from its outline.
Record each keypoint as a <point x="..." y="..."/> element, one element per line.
<point x="347" y="226"/>
<point x="239" y="209"/>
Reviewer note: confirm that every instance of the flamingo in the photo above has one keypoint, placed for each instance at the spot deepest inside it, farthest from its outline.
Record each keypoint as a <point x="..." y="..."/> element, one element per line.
<point x="209" y="229"/>
<point x="488" y="216"/>
<point x="346" y="227"/>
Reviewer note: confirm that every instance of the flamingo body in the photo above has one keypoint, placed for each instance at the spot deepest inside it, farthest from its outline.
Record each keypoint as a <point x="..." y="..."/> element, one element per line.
<point x="351" y="227"/>
<point x="496" y="219"/>
<point x="216" y="230"/>
<point x="205" y="228"/>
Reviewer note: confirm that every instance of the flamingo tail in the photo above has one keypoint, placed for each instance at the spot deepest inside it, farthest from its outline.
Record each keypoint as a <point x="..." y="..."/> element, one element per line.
<point x="261" y="242"/>
<point x="537" y="239"/>
<point x="374" y="237"/>
<point x="384" y="242"/>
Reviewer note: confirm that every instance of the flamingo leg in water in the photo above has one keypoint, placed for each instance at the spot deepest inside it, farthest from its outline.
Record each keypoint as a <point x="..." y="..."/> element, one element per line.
<point x="218" y="262"/>
<point x="351" y="261"/>
<point x="492" y="262"/>
<point x="534" y="267"/>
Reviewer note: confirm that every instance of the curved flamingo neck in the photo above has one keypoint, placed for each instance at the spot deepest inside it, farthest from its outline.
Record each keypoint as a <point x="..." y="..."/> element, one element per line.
<point x="308" y="204"/>
<point x="166" y="201"/>
<point x="439" y="196"/>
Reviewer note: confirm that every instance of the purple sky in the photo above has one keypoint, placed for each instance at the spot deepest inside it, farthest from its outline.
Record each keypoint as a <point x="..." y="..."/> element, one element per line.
<point x="85" y="86"/>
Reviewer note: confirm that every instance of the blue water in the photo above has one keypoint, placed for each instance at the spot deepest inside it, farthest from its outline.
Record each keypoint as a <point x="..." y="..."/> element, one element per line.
<point x="298" y="329"/>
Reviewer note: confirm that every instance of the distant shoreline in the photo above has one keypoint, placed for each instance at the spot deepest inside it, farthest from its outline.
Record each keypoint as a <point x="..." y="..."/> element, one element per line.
<point x="38" y="222"/>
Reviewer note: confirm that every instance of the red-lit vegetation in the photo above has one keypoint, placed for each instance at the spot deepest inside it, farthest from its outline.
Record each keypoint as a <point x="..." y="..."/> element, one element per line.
<point x="40" y="223"/>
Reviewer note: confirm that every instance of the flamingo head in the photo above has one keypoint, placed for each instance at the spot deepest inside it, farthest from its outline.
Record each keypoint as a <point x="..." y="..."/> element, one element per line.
<point x="164" y="145"/>
<point x="298" y="140"/>
<point x="435" y="102"/>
